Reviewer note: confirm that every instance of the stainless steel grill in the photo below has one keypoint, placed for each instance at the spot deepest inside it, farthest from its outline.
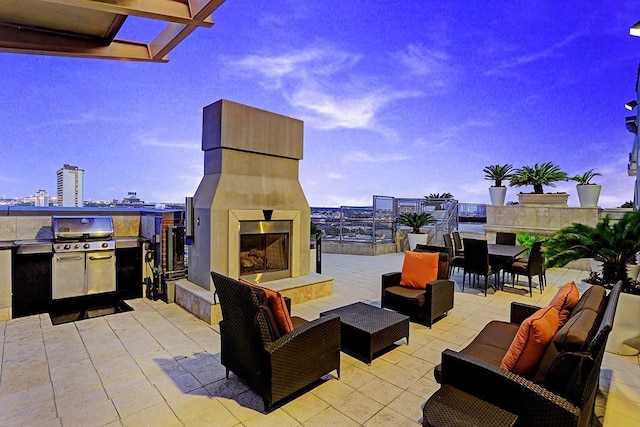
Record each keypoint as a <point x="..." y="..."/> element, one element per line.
<point x="84" y="260"/>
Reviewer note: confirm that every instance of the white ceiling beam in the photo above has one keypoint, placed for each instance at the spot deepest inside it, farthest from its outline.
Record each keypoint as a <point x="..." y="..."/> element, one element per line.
<point x="163" y="10"/>
<point x="174" y="33"/>
<point x="16" y="40"/>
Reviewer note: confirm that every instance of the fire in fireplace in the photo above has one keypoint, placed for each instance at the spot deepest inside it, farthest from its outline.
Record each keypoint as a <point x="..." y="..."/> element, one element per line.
<point x="264" y="250"/>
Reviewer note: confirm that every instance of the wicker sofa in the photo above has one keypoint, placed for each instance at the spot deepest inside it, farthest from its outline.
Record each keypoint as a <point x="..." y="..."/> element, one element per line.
<point x="562" y="390"/>
<point x="421" y="305"/>
<point x="275" y="365"/>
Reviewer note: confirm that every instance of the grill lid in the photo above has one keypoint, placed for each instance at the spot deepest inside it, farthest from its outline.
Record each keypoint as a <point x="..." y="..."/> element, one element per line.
<point x="82" y="227"/>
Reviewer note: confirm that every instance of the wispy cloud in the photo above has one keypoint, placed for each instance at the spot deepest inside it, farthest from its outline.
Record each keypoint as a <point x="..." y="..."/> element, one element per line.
<point x="421" y="60"/>
<point x="325" y="84"/>
<point x="367" y="157"/>
<point x="82" y="119"/>
<point x="150" y="141"/>
<point x="549" y="52"/>
<point x="334" y="175"/>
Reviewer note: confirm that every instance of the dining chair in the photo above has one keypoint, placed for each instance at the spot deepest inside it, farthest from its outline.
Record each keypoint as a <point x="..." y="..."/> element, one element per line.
<point x="505" y="238"/>
<point x="476" y="263"/>
<point x="456" y="261"/>
<point x="457" y="244"/>
<point x="533" y="266"/>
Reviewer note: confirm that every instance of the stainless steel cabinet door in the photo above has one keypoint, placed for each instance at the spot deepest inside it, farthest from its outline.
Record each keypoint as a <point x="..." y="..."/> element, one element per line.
<point x="68" y="275"/>
<point x="101" y="272"/>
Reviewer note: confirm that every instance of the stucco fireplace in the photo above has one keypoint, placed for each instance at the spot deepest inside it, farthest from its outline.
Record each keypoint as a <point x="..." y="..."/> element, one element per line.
<point x="250" y="215"/>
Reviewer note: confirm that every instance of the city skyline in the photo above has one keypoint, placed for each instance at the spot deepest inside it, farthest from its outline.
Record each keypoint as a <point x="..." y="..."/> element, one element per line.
<point x="398" y="99"/>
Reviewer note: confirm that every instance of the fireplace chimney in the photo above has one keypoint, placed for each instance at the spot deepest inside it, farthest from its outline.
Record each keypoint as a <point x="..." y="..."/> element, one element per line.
<point x="251" y="164"/>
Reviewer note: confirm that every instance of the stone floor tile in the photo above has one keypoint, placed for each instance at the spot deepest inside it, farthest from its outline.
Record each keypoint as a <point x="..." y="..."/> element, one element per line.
<point x="380" y="390"/>
<point x="332" y="391"/>
<point x="276" y="418"/>
<point x="388" y="417"/>
<point x="136" y="400"/>
<point x="227" y="388"/>
<point x="358" y="406"/>
<point x="97" y="412"/>
<point x="171" y="386"/>
<point x="400" y="377"/>
<point x="304" y="407"/>
<point x="72" y="402"/>
<point x="24" y="398"/>
<point x="330" y="417"/>
<point x="354" y="376"/>
<point x="156" y="415"/>
<point x="123" y="385"/>
<point x="408" y="404"/>
<point x="244" y="406"/>
<point x="31" y="415"/>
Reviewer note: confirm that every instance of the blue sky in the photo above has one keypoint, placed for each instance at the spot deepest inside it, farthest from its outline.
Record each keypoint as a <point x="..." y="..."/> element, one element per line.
<point x="399" y="98"/>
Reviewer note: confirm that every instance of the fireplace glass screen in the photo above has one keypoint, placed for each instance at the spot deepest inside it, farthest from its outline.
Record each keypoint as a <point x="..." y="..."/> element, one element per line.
<point x="264" y="247"/>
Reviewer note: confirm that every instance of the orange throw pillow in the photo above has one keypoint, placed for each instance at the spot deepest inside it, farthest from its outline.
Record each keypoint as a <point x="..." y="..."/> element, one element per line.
<point x="531" y="341"/>
<point x="277" y="305"/>
<point x="565" y="300"/>
<point x="419" y="268"/>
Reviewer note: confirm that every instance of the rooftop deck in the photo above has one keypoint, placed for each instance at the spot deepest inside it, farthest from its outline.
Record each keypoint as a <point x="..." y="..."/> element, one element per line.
<point x="159" y="365"/>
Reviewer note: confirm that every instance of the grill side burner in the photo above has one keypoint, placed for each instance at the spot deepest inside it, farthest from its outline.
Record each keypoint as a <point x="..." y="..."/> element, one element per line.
<point x="84" y="260"/>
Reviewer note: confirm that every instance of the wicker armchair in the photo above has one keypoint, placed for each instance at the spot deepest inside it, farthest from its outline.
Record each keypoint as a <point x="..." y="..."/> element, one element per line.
<point x="565" y="397"/>
<point x="275" y="367"/>
<point x="421" y="305"/>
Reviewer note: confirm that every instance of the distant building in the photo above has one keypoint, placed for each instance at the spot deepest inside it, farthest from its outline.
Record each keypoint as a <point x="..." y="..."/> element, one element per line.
<point x="70" y="186"/>
<point x="42" y="198"/>
<point x="131" y="201"/>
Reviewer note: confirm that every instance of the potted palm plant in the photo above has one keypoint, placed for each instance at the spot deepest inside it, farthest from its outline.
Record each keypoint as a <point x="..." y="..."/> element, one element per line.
<point x="416" y="220"/>
<point x="538" y="176"/>
<point x="615" y="245"/>
<point x="497" y="174"/>
<point x="588" y="192"/>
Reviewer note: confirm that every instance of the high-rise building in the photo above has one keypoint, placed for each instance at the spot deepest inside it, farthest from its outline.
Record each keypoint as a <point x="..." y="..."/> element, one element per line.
<point x="70" y="186"/>
<point x="42" y="198"/>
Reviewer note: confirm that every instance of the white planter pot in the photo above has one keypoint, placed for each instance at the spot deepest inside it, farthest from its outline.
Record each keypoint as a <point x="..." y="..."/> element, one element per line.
<point x="624" y="338"/>
<point x="414" y="239"/>
<point x="588" y="195"/>
<point x="497" y="195"/>
<point x="547" y="199"/>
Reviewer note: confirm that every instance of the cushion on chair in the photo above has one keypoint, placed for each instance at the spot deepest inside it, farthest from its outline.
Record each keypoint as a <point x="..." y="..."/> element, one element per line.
<point x="419" y="268"/>
<point x="277" y="305"/>
<point x="593" y="299"/>
<point x="531" y="341"/>
<point x="565" y="300"/>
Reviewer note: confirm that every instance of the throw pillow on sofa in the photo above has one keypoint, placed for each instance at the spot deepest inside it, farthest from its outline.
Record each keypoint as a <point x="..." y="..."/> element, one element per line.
<point x="531" y="341"/>
<point x="419" y="268"/>
<point x="277" y="305"/>
<point x="565" y="300"/>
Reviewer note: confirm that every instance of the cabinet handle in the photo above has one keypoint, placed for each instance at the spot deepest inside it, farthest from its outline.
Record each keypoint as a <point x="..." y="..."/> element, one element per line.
<point x="93" y="257"/>
<point x="69" y="258"/>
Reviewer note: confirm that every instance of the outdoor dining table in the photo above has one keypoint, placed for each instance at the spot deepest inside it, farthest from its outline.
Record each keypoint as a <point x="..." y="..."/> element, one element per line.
<point x="503" y="255"/>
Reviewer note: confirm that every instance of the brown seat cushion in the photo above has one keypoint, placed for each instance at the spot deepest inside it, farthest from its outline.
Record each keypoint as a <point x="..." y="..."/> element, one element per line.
<point x="490" y="345"/>
<point x="403" y="296"/>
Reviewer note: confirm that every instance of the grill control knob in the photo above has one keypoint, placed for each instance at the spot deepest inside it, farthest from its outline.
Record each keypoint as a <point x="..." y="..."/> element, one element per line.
<point x="67" y="246"/>
<point x="76" y="246"/>
<point x="105" y="244"/>
<point x="86" y="246"/>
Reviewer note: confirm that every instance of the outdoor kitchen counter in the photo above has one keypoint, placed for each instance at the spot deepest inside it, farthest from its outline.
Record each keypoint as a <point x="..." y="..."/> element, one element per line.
<point x="35" y="246"/>
<point x="127" y="242"/>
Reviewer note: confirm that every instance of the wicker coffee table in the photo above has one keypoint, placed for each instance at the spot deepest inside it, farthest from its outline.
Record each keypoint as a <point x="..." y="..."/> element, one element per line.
<point x="366" y="330"/>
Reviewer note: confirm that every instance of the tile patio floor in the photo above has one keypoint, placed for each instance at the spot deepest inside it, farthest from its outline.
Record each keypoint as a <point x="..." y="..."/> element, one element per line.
<point x="158" y="365"/>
